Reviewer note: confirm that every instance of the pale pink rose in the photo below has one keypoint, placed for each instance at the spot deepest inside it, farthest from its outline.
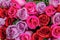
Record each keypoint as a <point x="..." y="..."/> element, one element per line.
<point x="55" y="3"/>
<point x="12" y="32"/>
<point x="21" y="2"/>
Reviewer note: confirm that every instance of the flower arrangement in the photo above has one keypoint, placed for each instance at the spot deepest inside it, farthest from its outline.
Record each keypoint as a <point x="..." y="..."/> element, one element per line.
<point x="22" y="20"/>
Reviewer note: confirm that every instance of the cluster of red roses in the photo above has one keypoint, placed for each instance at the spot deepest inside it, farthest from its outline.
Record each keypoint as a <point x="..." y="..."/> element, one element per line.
<point x="35" y="22"/>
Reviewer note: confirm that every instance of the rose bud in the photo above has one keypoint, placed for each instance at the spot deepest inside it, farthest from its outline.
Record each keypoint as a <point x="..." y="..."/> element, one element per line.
<point x="32" y="22"/>
<point x="43" y="19"/>
<point x="40" y="7"/>
<point x="50" y="10"/>
<point x="12" y="32"/>
<point x="31" y="8"/>
<point x="21" y="25"/>
<point x="22" y="14"/>
<point x="44" y="32"/>
<point x="56" y="18"/>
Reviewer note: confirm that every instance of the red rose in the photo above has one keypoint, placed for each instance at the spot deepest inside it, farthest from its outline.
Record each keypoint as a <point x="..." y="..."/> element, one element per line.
<point x="9" y="21"/>
<point x="58" y="8"/>
<point x="44" y="32"/>
<point x="12" y="12"/>
<point x="44" y="19"/>
<point x="1" y="12"/>
<point x="3" y="33"/>
<point x="35" y="36"/>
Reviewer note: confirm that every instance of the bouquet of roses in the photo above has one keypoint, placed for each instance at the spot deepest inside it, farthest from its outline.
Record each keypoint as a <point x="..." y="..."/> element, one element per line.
<point x="22" y="20"/>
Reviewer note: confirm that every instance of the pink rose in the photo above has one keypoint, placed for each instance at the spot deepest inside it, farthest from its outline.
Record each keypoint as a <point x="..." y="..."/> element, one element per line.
<point x="21" y="25"/>
<point x="50" y="10"/>
<point x="12" y="32"/>
<point x="55" y="3"/>
<point x="56" y="18"/>
<point x="2" y="21"/>
<point x="31" y="7"/>
<point x="32" y="22"/>
<point x="25" y="36"/>
<point x="15" y="4"/>
<point x="22" y="14"/>
<point x="40" y="7"/>
<point x="21" y="2"/>
<point x="6" y="3"/>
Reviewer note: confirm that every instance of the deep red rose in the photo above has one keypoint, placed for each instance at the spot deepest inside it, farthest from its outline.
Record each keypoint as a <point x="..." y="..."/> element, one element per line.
<point x="58" y="8"/>
<point x="5" y="12"/>
<point x="9" y="21"/>
<point x="1" y="12"/>
<point x="35" y="36"/>
<point x="3" y="37"/>
<point x="44" y="32"/>
<point x="44" y="19"/>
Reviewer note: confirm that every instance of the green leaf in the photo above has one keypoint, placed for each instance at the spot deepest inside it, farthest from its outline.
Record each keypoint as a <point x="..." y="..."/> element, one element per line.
<point x="15" y="21"/>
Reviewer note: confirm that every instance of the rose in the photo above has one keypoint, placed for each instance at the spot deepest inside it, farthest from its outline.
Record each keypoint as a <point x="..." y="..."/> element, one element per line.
<point x="6" y="3"/>
<point x="17" y="38"/>
<point x="1" y="13"/>
<point x="50" y="10"/>
<point x="56" y="18"/>
<point x="58" y="8"/>
<point x="15" y="4"/>
<point x="21" y="25"/>
<point x="43" y="19"/>
<point x="8" y="21"/>
<point x="44" y="32"/>
<point x="35" y="36"/>
<point x="54" y="2"/>
<point x="2" y="21"/>
<point x="31" y="7"/>
<point x="32" y="22"/>
<point x="22" y="14"/>
<point x="12" y="12"/>
<point x="21" y="2"/>
<point x="40" y="7"/>
<point x="25" y="36"/>
<point x="55" y="31"/>
<point x="12" y="32"/>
